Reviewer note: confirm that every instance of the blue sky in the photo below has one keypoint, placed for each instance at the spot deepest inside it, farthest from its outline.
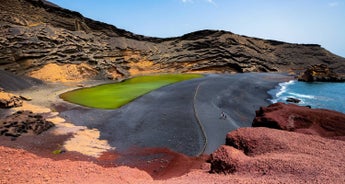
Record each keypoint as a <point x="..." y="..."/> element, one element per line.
<point x="296" y="21"/>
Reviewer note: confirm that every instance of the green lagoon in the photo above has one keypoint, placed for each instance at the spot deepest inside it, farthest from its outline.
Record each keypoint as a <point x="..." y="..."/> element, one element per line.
<point x="115" y="95"/>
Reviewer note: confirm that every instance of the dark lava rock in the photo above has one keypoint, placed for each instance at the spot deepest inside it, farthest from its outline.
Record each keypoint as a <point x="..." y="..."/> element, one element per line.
<point x="320" y="73"/>
<point x="34" y="33"/>
<point x="325" y="123"/>
<point x="263" y="151"/>
<point x="293" y="100"/>
<point x="23" y="122"/>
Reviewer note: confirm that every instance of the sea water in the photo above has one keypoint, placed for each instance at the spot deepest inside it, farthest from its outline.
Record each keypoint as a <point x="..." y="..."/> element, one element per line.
<point x="323" y="95"/>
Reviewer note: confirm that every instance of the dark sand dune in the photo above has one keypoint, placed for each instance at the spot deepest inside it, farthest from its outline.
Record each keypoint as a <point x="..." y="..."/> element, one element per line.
<point x="11" y="82"/>
<point x="185" y="117"/>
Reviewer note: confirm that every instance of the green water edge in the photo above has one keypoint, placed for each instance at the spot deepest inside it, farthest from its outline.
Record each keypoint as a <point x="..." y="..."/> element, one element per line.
<point x="115" y="95"/>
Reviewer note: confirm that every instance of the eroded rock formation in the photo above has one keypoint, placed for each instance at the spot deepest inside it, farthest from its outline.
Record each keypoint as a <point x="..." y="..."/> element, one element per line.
<point x="321" y="73"/>
<point x="35" y="33"/>
<point x="8" y="100"/>
<point x="290" y="117"/>
<point x="23" y="122"/>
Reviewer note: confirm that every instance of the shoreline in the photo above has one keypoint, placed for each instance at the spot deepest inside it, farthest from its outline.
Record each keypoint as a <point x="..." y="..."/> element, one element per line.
<point x="233" y="106"/>
<point x="316" y="95"/>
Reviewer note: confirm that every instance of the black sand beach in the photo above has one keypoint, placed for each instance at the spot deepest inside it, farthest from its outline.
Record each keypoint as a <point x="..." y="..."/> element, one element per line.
<point x="11" y="82"/>
<point x="190" y="117"/>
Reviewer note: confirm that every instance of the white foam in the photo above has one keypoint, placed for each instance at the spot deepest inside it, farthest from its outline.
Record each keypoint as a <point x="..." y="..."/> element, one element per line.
<point x="298" y="95"/>
<point x="280" y="90"/>
<point x="283" y="86"/>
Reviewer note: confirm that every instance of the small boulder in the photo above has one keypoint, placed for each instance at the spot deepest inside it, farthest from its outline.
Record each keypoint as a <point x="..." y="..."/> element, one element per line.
<point x="25" y="98"/>
<point x="293" y="100"/>
<point x="226" y="160"/>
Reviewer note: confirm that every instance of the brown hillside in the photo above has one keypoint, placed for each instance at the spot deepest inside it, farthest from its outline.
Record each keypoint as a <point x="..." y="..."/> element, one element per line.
<point x="34" y="33"/>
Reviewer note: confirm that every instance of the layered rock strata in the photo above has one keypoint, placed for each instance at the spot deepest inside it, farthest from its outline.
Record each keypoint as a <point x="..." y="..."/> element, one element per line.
<point x="35" y="33"/>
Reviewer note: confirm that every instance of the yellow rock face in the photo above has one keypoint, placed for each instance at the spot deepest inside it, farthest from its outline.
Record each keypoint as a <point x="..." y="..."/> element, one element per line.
<point x="64" y="73"/>
<point x="5" y="96"/>
<point x="141" y="67"/>
<point x="8" y="100"/>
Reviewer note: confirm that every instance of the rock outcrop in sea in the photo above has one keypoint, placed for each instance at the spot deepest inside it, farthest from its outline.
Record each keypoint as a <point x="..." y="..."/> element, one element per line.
<point x="43" y="40"/>
<point x="322" y="73"/>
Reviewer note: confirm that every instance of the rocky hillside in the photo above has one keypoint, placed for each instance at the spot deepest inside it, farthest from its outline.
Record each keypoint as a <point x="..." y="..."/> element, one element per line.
<point x="40" y="39"/>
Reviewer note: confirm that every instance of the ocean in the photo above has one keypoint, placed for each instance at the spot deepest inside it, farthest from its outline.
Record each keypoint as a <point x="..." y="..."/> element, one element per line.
<point x="325" y="95"/>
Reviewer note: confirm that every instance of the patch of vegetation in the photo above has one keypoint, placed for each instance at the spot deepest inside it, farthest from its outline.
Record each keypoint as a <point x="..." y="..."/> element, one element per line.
<point x="115" y="95"/>
<point x="59" y="151"/>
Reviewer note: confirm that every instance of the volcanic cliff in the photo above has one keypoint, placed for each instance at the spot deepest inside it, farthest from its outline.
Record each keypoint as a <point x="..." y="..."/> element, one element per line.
<point x="37" y="36"/>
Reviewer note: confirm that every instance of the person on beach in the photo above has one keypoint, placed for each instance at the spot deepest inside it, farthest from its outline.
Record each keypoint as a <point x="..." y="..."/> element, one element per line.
<point x="222" y="115"/>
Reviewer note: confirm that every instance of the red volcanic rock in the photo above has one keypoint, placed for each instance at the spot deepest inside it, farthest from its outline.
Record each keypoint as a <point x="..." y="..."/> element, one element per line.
<point x="226" y="159"/>
<point x="325" y="123"/>
<point x="263" y="152"/>
<point x="161" y="163"/>
<point x="268" y="152"/>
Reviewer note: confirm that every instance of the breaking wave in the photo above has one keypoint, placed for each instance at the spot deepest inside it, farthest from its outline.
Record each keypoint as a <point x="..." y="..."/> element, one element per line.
<point x="317" y="94"/>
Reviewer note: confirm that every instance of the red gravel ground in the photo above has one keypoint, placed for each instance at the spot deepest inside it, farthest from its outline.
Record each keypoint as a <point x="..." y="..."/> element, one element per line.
<point x="31" y="155"/>
<point x="19" y="166"/>
<point x="274" y="156"/>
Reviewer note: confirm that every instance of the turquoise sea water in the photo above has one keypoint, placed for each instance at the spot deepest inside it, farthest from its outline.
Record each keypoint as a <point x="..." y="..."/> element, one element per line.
<point x="317" y="94"/>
